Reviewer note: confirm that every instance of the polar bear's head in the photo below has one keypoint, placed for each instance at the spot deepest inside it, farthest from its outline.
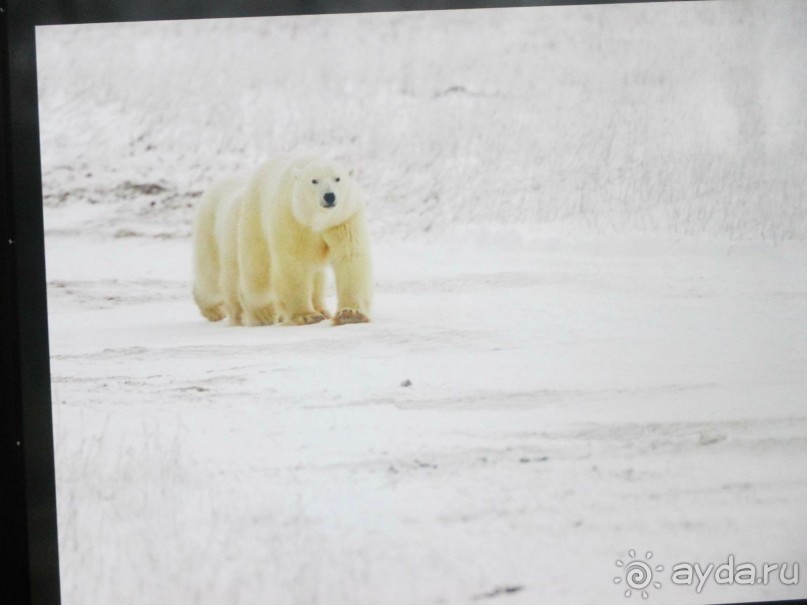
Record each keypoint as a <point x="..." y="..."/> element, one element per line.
<point x="324" y="195"/>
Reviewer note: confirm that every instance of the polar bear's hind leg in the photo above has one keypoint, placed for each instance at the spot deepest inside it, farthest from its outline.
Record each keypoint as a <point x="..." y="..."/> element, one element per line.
<point x="206" y="291"/>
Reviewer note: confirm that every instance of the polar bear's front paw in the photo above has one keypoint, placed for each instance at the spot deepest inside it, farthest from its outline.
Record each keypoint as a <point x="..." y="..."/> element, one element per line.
<point x="350" y="316"/>
<point x="212" y="312"/>
<point x="304" y="319"/>
<point x="260" y="316"/>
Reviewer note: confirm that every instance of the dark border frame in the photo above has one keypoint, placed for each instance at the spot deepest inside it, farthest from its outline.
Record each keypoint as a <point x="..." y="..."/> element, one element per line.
<point x="29" y="567"/>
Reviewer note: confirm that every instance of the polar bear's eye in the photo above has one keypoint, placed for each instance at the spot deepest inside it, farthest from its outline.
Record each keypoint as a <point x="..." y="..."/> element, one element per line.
<point x="337" y="179"/>
<point x="315" y="181"/>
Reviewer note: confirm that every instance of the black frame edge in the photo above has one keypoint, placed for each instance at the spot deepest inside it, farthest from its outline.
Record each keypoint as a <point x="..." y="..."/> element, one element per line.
<point x="51" y="12"/>
<point x="14" y="586"/>
<point x="31" y="555"/>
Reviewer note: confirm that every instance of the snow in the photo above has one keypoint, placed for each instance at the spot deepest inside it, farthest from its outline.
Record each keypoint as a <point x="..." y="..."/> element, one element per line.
<point x="590" y="239"/>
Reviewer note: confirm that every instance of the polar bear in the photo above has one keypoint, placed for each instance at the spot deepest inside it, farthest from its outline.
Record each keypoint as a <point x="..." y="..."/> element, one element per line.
<point x="262" y="245"/>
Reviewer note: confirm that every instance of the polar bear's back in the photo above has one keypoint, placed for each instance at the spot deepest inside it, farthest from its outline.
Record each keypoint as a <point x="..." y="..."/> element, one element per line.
<point x="275" y="177"/>
<point x="230" y="195"/>
<point x="215" y="203"/>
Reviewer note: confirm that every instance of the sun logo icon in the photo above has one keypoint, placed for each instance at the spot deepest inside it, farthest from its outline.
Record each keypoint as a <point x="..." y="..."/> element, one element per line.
<point x="638" y="574"/>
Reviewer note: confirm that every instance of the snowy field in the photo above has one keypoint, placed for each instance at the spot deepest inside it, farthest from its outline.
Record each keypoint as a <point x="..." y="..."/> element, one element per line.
<point x="590" y="237"/>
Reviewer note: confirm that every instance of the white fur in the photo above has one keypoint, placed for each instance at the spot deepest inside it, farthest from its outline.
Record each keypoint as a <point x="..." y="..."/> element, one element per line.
<point x="262" y="245"/>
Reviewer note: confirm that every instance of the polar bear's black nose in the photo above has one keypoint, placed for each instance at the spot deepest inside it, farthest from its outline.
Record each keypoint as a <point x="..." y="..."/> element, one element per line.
<point x="330" y="199"/>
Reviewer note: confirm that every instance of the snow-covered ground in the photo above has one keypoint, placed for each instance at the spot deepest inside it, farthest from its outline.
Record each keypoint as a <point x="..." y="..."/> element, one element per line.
<point x="590" y="335"/>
